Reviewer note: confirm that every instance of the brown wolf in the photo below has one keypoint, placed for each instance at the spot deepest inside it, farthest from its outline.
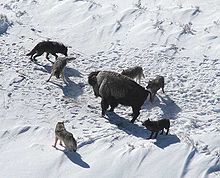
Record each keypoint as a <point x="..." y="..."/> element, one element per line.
<point x="50" y="47"/>
<point x="134" y="73"/>
<point x="64" y="136"/>
<point x="156" y="126"/>
<point x="155" y="84"/>
<point x="58" y="68"/>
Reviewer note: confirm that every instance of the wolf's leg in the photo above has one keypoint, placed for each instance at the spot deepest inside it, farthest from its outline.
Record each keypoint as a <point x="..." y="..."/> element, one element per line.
<point x="156" y="135"/>
<point x="55" y="143"/>
<point x="63" y="76"/>
<point x="52" y="73"/>
<point x="47" y="56"/>
<point x="151" y="135"/>
<point x="38" y="54"/>
<point x="61" y="143"/>
<point x="54" y="54"/>
<point x="163" y="89"/>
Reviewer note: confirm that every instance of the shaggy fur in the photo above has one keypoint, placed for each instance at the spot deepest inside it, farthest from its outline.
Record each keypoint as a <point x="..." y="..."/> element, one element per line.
<point x="64" y="136"/>
<point x="50" y="47"/>
<point x="116" y="89"/>
<point x="134" y="73"/>
<point x="155" y="84"/>
<point x="156" y="126"/>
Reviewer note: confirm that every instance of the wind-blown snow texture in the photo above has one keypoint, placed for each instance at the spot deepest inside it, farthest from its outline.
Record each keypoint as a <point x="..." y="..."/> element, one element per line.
<point x="174" y="38"/>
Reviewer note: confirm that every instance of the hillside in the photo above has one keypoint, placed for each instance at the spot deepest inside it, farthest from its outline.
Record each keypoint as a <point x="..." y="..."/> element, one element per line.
<point x="179" y="40"/>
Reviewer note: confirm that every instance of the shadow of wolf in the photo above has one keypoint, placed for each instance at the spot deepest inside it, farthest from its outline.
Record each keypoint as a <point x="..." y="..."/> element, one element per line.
<point x="75" y="158"/>
<point x="124" y="125"/>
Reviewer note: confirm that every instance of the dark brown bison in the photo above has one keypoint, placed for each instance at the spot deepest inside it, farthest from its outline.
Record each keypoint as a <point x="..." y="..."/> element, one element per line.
<point x="115" y="89"/>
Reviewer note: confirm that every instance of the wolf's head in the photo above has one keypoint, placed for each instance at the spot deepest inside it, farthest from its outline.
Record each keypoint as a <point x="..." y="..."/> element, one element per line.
<point x="60" y="126"/>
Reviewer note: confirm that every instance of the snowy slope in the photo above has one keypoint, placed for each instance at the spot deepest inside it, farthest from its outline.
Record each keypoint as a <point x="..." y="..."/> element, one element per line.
<point x="176" y="39"/>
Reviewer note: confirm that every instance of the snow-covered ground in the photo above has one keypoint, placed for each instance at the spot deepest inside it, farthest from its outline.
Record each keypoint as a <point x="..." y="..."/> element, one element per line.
<point x="175" y="38"/>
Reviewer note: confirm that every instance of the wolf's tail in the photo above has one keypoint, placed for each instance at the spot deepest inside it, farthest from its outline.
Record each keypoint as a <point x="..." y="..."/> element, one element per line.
<point x="32" y="52"/>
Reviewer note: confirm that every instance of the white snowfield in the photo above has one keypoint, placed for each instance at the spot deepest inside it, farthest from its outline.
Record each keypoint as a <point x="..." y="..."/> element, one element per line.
<point x="177" y="39"/>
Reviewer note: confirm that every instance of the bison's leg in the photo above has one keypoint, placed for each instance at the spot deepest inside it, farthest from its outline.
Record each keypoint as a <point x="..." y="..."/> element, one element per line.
<point x="167" y="131"/>
<point x="113" y="106"/>
<point x="163" y="89"/>
<point x="104" y="105"/>
<point x="136" y="112"/>
<point x="161" y="132"/>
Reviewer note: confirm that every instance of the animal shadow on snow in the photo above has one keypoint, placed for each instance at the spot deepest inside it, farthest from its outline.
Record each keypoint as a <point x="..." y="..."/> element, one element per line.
<point x="124" y="125"/>
<point x="164" y="141"/>
<point x="75" y="158"/>
<point x="169" y="108"/>
<point x="71" y="89"/>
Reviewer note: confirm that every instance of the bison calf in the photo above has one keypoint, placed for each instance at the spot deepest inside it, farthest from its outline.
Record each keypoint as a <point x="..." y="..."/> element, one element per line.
<point x="156" y="126"/>
<point x="116" y="89"/>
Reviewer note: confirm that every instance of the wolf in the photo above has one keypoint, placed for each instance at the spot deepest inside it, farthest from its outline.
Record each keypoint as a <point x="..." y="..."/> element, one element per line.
<point x="115" y="89"/>
<point x="156" y="126"/>
<point x="155" y="84"/>
<point x="64" y="136"/>
<point x="134" y="73"/>
<point x="50" y="47"/>
<point x="58" y="68"/>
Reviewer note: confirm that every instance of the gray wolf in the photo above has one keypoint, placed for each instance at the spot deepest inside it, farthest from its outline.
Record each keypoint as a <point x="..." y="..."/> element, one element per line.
<point x="58" y="68"/>
<point x="64" y="136"/>
<point x="156" y="126"/>
<point x="134" y="73"/>
<point x="155" y="84"/>
<point x="50" y="47"/>
<point x="115" y="89"/>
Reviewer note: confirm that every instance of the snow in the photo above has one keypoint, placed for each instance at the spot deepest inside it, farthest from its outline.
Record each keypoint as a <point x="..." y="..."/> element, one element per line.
<point x="176" y="39"/>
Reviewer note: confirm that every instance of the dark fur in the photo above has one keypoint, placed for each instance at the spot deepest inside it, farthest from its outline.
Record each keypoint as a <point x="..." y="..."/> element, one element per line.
<point x="50" y="47"/>
<point x="116" y="89"/>
<point x="156" y="126"/>
<point x="155" y="84"/>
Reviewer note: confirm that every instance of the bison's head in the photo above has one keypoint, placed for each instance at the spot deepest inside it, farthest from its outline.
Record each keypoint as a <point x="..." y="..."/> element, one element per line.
<point x="92" y="80"/>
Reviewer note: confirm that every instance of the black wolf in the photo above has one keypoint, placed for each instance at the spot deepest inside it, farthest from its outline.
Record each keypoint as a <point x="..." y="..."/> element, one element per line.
<point x="50" y="47"/>
<point x="156" y="126"/>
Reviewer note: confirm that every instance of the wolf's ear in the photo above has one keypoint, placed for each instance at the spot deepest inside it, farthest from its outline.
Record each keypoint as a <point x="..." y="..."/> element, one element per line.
<point x="62" y="122"/>
<point x="148" y="119"/>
